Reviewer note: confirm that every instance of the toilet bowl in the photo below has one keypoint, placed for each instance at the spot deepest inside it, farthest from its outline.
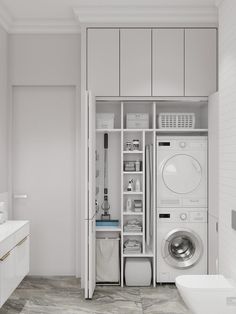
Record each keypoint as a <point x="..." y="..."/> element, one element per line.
<point x="209" y="294"/>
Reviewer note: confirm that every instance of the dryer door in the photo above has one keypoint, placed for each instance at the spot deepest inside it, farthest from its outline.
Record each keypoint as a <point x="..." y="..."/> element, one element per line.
<point x="182" y="174"/>
<point x="182" y="248"/>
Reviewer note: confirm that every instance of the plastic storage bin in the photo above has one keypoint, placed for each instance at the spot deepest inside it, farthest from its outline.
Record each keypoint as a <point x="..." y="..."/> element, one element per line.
<point x="138" y="271"/>
<point x="137" y="121"/>
<point x="108" y="260"/>
<point x="105" y="120"/>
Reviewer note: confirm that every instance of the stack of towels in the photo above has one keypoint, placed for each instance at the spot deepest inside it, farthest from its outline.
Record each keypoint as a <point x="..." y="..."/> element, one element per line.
<point x="133" y="225"/>
<point x="132" y="247"/>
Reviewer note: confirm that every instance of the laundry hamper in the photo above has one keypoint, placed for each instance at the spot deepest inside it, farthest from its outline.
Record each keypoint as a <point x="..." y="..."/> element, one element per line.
<point x="108" y="260"/>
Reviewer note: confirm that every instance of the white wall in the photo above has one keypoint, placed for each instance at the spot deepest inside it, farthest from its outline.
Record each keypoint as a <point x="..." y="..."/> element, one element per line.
<point x="48" y="60"/>
<point x="3" y="109"/>
<point x="227" y="89"/>
<point x="45" y="59"/>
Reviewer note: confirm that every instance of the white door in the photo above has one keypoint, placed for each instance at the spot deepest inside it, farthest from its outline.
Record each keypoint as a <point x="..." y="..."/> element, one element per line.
<point x="44" y="175"/>
<point x="103" y="61"/>
<point x="200" y="62"/>
<point x="90" y="210"/>
<point x="168" y="62"/>
<point x="135" y="62"/>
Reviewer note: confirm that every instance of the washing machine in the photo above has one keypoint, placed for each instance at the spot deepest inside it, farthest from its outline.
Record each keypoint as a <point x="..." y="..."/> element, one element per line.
<point x="182" y="171"/>
<point x="181" y="243"/>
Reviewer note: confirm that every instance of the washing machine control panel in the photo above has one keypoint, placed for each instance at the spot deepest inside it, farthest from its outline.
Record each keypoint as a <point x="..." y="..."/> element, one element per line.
<point x="177" y="215"/>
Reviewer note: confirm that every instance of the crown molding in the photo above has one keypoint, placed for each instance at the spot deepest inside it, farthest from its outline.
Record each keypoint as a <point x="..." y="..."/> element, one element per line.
<point x="123" y="14"/>
<point x="218" y="3"/>
<point x="37" y="26"/>
<point x="45" y="26"/>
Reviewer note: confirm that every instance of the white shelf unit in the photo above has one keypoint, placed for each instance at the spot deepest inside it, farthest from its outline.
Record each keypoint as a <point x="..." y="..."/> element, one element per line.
<point x="119" y="135"/>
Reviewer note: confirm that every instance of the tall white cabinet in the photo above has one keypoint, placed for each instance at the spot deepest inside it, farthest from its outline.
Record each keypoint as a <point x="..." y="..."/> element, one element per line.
<point x="136" y="70"/>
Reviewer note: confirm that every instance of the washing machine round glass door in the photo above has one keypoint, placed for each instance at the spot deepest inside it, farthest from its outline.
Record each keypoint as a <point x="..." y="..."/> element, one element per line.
<point x="182" y="248"/>
<point x="182" y="174"/>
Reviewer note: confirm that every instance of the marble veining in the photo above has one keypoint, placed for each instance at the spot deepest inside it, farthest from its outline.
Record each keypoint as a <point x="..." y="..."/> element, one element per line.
<point x="63" y="295"/>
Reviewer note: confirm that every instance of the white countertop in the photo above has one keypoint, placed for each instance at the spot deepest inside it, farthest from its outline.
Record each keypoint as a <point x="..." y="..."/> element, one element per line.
<point x="10" y="227"/>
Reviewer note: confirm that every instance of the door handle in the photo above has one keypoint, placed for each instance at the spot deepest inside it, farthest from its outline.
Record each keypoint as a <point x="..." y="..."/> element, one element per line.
<point x="5" y="257"/>
<point x="20" y="196"/>
<point x="22" y="241"/>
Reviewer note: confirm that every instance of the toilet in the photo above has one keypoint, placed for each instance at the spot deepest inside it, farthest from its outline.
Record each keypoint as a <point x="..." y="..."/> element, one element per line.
<point x="209" y="294"/>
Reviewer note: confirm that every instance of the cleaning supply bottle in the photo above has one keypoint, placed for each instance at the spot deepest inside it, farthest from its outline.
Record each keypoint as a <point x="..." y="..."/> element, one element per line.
<point x="137" y="185"/>
<point x="129" y="205"/>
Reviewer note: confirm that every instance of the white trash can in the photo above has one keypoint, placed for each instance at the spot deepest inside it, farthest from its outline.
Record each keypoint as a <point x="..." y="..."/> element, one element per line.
<point x="108" y="260"/>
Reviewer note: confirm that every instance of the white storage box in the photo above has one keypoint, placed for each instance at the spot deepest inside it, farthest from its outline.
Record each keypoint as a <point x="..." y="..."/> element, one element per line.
<point x="108" y="260"/>
<point x="138" y="271"/>
<point x="137" y="121"/>
<point x="176" y="120"/>
<point x="105" y="120"/>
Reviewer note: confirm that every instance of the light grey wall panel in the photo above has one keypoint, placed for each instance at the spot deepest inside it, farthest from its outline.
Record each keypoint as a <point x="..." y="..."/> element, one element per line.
<point x="45" y="59"/>
<point x="3" y="109"/>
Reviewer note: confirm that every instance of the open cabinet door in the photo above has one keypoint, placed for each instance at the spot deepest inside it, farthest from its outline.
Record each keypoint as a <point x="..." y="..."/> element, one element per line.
<point x="90" y="214"/>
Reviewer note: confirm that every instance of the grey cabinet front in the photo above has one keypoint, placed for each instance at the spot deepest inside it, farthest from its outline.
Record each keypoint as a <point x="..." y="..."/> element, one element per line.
<point x="168" y="62"/>
<point x="103" y="61"/>
<point x="200" y="62"/>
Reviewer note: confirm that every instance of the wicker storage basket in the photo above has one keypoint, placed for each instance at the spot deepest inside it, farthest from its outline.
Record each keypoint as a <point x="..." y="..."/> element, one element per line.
<point x="176" y="121"/>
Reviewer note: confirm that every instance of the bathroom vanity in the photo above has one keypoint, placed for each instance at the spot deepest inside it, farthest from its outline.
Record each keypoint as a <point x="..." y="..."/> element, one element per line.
<point x="14" y="256"/>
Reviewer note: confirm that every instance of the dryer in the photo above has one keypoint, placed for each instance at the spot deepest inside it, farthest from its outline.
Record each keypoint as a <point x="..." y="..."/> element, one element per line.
<point x="181" y="243"/>
<point x="181" y="171"/>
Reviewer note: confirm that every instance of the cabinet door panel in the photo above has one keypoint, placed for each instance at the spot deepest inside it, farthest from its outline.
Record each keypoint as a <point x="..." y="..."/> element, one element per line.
<point x="135" y="58"/>
<point x="200" y="62"/>
<point x="168" y="62"/>
<point x="22" y="259"/>
<point x="213" y="246"/>
<point x="7" y="276"/>
<point x="103" y="62"/>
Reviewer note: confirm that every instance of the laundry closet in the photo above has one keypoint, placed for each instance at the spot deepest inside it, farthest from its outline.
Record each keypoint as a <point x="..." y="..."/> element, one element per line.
<point x="143" y="89"/>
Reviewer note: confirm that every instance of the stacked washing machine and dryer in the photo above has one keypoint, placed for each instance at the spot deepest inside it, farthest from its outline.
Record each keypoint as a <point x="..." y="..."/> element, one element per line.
<point x="181" y="206"/>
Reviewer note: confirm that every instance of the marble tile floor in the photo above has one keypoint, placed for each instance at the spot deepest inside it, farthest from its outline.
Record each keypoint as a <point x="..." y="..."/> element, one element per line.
<point x="63" y="295"/>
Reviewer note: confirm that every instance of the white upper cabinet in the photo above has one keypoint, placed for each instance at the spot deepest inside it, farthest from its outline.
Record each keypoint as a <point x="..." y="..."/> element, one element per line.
<point x="200" y="62"/>
<point x="168" y="62"/>
<point x="103" y="62"/>
<point x="135" y="62"/>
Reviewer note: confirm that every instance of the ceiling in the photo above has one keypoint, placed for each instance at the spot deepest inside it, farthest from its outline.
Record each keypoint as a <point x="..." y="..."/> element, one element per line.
<point x="63" y="15"/>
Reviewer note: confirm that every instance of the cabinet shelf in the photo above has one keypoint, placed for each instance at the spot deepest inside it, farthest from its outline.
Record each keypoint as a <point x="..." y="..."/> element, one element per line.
<point x="132" y="172"/>
<point x="108" y="130"/>
<point x="181" y="130"/>
<point x="132" y="152"/>
<point x="132" y="213"/>
<point x="132" y="193"/>
<point x="107" y="229"/>
<point x="138" y="130"/>
<point x="132" y="233"/>
<point x="139" y="255"/>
